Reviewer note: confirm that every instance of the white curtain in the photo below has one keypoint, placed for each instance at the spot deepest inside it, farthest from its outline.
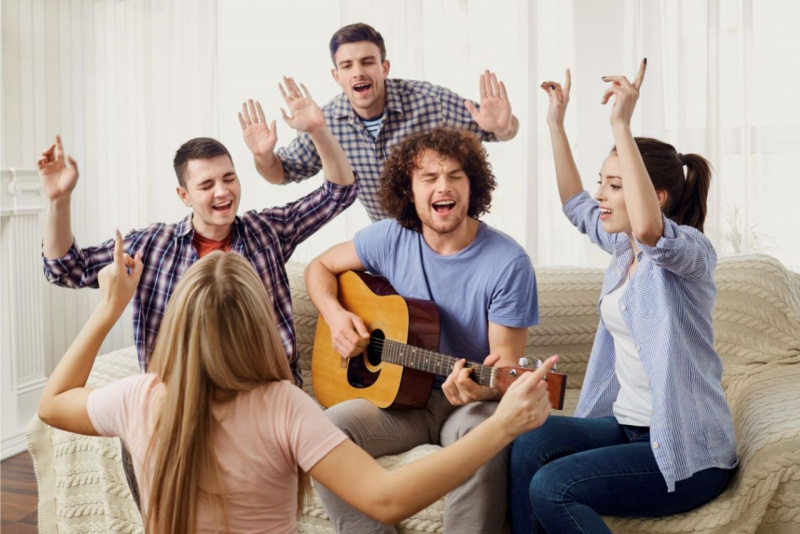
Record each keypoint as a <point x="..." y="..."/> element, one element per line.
<point x="723" y="83"/>
<point x="124" y="83"/>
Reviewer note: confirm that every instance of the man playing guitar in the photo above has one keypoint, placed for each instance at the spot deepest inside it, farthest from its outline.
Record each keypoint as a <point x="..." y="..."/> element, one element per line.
<point x="435" y="186"/>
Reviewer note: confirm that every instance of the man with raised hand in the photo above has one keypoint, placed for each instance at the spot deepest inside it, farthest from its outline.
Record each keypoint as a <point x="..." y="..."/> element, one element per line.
<point x="376" y="113"/>
<point x="209" y="185"/>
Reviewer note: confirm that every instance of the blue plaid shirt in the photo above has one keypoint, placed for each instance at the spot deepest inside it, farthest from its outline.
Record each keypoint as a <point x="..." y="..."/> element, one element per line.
<point x="266" y="238"/>
<point x="667" y="308"/>
<point x="411" y="107"/>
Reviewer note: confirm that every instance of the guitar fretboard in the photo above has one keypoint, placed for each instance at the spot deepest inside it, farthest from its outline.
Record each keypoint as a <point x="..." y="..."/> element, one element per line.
<point x="432" y="362"/>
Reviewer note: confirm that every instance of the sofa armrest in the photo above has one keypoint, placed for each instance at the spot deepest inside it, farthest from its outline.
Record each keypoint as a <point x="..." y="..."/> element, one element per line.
<point x="764" y="495"/>
<point x="81" y="483"/>
<point x="766" y="415"/>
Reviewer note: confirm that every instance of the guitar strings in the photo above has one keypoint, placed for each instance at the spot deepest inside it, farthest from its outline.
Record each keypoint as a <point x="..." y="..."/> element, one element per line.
<point x="378" y="343"/>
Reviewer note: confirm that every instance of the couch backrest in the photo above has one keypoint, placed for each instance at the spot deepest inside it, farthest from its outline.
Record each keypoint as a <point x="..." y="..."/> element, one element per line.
<point x="757" y="314"/>
<point x="568" y="318"/>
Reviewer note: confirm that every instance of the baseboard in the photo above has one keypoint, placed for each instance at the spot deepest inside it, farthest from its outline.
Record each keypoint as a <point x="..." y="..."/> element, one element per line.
<point x="13" y="446"/>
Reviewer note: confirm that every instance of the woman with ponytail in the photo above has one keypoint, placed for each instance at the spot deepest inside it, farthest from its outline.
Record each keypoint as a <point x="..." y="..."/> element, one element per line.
<point x="221" y="438"/>
<point x="652" y="434"/>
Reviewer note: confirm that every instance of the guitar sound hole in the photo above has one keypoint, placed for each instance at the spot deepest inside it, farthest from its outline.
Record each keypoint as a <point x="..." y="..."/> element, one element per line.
<point x="375" y="348"/>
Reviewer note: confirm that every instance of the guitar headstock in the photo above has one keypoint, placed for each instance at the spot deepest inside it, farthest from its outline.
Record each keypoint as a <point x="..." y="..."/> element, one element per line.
<point x="556" y="383"/>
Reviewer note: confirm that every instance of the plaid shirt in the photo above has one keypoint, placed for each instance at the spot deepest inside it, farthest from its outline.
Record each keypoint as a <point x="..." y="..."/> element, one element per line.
<point x="411" y="107"/>
<point x="266" y="238"/>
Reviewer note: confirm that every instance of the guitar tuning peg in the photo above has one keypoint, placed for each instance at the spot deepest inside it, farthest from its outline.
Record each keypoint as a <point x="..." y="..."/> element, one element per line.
<point x="523" y="362"/>
<point x="538" y="363"/>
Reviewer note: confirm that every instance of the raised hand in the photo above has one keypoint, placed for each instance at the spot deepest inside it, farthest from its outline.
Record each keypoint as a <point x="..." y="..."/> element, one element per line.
<point x="495" y="112"/>
<point x="305" y="114"/>
<point x="57" y="176"/>
<point x="259" y="137"/>
<point x="626" y="95"/>
<point x="559" y="98"/>
<point x="118" y="280"/>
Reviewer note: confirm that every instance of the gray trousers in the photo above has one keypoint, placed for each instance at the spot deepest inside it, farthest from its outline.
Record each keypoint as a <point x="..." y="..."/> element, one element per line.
<point x="478" y="505"/>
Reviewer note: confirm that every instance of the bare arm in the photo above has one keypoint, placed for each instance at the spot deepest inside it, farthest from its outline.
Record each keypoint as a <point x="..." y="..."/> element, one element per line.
<point x="641" y="200"/>
<point x="389" y="496"/>
<point x="567" y="175"/>
<point x="348" y="332"/>
<point x="63" y="401"/>
<point x="509" y="343"/>
<point x="307" y="117"/>
<point x="506" y="347"/>
<point x="58" y="176"/>
<point x="270" y="167"/>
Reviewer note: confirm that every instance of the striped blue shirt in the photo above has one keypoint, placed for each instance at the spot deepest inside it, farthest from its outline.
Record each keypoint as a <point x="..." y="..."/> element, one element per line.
<point x="373" y="126"/>
<point x="411" y="107"/>
<point x="667" y="307"/>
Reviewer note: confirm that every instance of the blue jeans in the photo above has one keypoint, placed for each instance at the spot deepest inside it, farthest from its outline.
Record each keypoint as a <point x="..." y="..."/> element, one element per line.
<point x="570" y="471"/>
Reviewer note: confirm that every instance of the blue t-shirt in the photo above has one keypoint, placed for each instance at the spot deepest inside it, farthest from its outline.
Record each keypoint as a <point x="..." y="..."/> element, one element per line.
<point x="492" y="279"/>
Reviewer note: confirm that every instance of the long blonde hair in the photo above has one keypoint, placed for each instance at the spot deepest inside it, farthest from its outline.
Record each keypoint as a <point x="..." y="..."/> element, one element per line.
<point x="218" y="338"/>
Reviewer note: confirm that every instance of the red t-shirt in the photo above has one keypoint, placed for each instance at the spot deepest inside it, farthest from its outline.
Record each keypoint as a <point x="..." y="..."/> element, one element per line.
<point x="204" y="245"/>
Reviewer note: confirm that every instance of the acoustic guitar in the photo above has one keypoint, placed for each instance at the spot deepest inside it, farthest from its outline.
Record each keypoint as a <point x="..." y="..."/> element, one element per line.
<point x="398" y="366"/>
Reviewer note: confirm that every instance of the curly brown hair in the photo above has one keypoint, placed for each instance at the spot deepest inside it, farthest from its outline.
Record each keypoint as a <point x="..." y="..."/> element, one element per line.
<point x="395" y="193"/>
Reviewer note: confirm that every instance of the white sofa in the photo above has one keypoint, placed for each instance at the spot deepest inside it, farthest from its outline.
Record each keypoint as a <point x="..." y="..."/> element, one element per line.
<point x="757" y="321"/>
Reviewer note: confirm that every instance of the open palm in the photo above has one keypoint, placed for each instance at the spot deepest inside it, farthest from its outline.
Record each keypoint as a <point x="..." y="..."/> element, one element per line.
<point x="305" y="115"/>
<point x="259" y="137"/>
<point x="494" y="114"/>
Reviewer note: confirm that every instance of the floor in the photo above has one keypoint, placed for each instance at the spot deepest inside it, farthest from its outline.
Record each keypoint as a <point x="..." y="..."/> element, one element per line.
<point x="19" y="497"/>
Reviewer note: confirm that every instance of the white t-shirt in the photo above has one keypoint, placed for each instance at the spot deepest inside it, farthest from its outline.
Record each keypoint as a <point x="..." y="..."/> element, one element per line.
<point x="634" y="404"/>
<point x="261" y="438"/>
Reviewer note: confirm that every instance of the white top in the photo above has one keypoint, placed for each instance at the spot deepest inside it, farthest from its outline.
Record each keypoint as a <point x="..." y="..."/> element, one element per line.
<point x="634" y="404"/>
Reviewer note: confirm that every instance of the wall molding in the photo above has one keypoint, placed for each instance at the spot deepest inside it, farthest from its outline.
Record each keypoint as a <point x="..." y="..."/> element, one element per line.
<point x="22" y="192"/>
<point x="23" y="353"/>
<point x="14" y="445"/>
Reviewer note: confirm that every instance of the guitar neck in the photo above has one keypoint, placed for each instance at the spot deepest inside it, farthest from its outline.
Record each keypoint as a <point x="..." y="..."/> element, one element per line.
<point x="431" y="362"/>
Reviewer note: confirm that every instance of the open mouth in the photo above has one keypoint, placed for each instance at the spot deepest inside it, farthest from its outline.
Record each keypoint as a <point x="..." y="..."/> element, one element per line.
<point x="362" y="88"/>
<point x="223" y="207"/>
<point x="443" y="207"/>
<point x="605" y="213"/>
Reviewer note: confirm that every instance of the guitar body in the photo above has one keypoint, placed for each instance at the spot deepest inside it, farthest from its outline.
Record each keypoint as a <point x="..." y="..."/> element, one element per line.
<point x="387" y="385"/>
